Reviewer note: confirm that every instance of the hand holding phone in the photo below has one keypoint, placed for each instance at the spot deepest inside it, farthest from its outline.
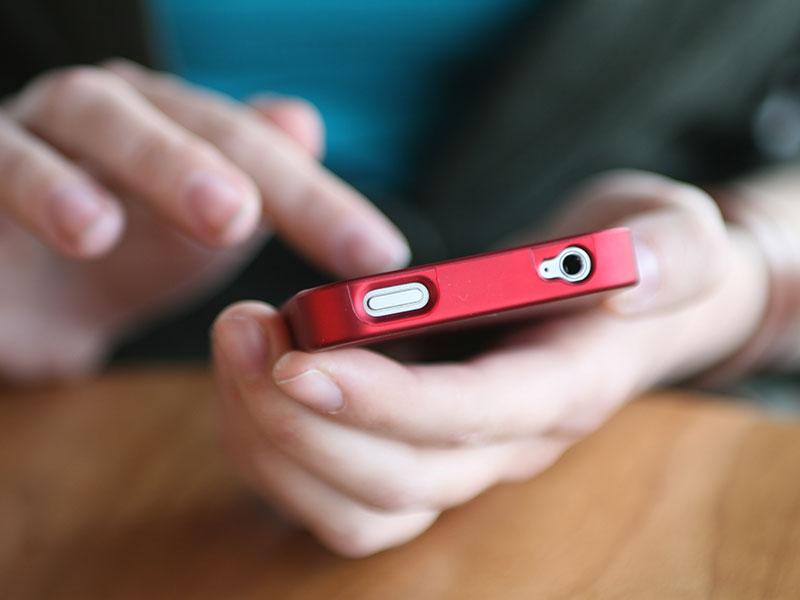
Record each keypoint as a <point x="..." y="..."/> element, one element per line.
<point x="367" y="451"/>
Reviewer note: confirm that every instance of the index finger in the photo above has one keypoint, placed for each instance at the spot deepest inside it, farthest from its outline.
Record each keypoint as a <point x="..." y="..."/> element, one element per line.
<point x="313" y="210"/>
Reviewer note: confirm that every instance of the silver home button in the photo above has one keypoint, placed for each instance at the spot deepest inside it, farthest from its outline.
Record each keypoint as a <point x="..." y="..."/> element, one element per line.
<point x="396" y="299"/>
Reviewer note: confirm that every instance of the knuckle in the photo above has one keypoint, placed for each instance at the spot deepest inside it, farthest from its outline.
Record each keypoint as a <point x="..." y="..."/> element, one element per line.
<point x="354" y="538"/>
<point x="533" y="463"/>
<point x="304" y="205"/>
<point x="411" y="485"/>
<point x="445" y="492"/>
<point x="702" y="201"/>
<point x="153" y="151"/>
<point x="458" y="492"/>
<point x="229" y="135"/>
<point x="77" y="83"/>
<point x="157" y="153"/>
<point x="306" y="200"/>
<point x="473" y="428"/>
<point x="466" y="435"/>
<point x="582" y="423"/>
<point x="398" y="496"/>
<point x="64" y="95"/>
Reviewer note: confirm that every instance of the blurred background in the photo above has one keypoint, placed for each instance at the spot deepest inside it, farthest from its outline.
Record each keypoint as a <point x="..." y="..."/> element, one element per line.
<point x="464" y="120"/>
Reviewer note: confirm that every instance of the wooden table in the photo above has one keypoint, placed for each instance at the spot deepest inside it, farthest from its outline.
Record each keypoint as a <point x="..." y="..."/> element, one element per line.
<point x="116" y="489"/>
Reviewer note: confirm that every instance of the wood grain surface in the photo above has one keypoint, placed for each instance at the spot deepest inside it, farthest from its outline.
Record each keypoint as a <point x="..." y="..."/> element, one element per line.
<point x="117" y="489"/>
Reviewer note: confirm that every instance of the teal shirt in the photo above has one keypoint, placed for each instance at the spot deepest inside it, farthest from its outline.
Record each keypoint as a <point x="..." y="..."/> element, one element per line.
<point x="384" y="74"/>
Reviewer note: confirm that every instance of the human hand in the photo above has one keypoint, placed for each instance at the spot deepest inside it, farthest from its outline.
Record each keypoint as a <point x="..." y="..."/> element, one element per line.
<point x="366" y="451"/>
<point x="124" y="193"/>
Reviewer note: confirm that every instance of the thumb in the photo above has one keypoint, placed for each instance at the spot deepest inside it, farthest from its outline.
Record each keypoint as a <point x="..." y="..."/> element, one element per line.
<point x="679" y="236"/>
<point x="247" y="338"/>
<point x="297" y="118"/>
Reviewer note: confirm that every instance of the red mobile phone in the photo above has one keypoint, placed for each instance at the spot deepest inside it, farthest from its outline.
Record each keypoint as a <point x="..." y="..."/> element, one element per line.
<point x="480" y="288"/>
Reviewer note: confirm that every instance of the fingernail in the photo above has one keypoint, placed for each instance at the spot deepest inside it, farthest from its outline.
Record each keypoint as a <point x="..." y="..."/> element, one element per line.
<point x="362" y="252"/>
<point x="646" y="290"/>
<point x="244" y="344"/>
<point x="313" y="388"/>
<point x="214" y="202"/>
<point x="83" y="218"/>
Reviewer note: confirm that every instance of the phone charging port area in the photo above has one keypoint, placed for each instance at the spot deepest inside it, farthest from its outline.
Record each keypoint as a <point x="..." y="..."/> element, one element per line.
<point x="573" y="265"/>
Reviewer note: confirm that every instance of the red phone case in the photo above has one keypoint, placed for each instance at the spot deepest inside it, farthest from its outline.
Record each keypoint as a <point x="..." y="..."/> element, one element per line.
<point x="508" y="283"/>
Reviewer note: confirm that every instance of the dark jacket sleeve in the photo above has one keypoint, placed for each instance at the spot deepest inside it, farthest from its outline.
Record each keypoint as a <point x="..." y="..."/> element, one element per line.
<point x="668" y="85"/>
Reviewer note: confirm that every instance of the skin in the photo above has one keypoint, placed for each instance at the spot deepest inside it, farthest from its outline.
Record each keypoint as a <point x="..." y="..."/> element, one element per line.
<point x="367" y="452"/>
<point x="125" y="193"/>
